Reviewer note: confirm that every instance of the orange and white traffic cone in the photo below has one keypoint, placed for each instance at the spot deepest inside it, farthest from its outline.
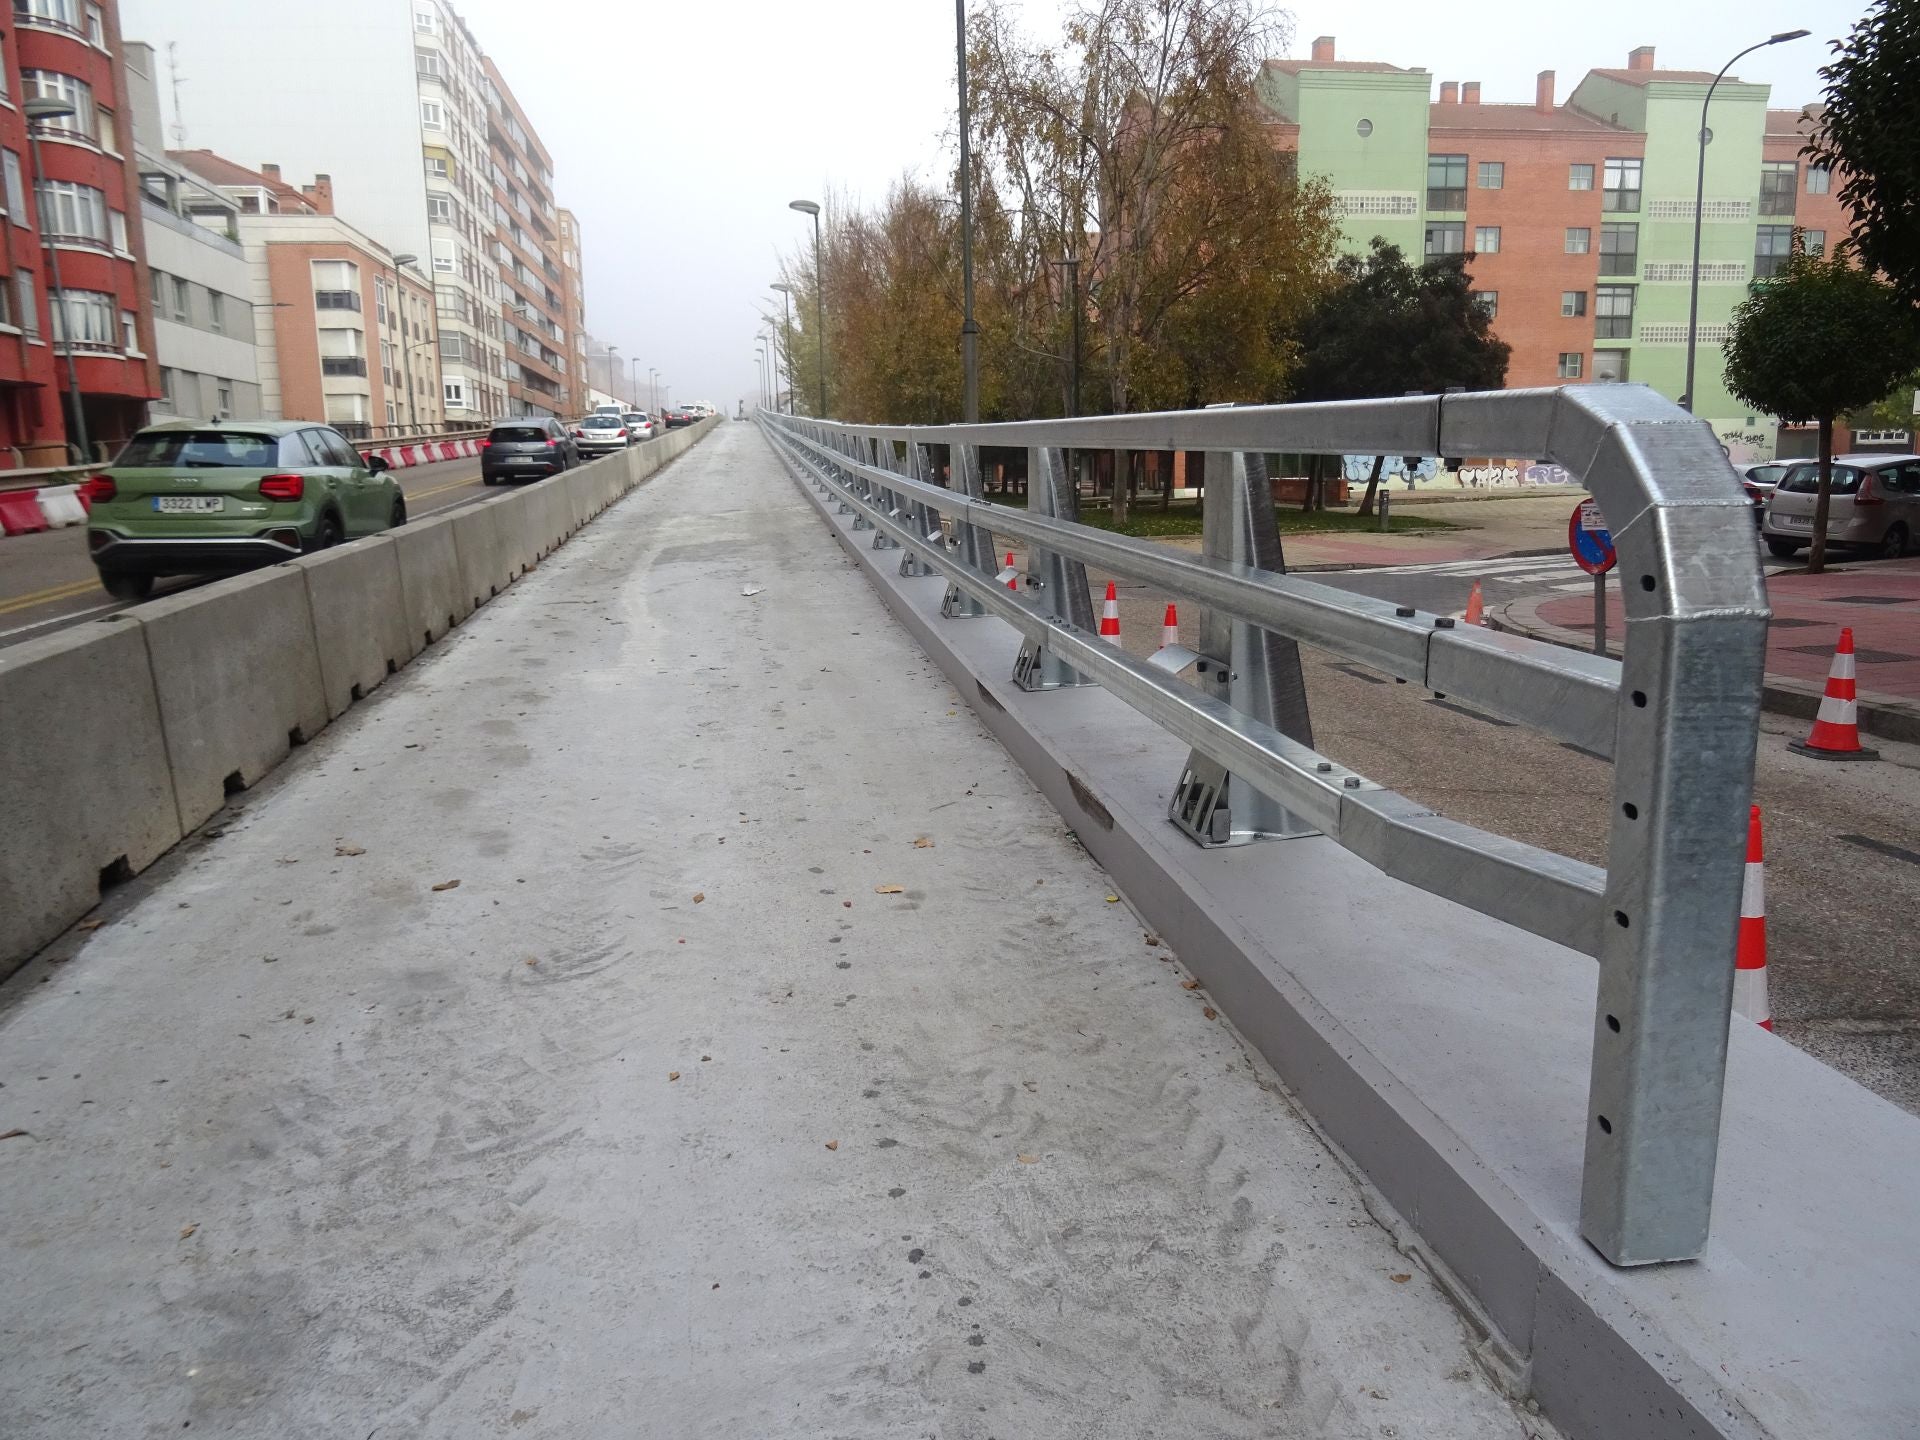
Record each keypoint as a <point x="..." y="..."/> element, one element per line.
<point x="1170" y="627"/>
<point x="1009" y="576"/>
<point x="1476" y="606"/>
<point x="1110" y="616"/>
<point x="1836" y="729"/>
<point x="1750" y="955"/>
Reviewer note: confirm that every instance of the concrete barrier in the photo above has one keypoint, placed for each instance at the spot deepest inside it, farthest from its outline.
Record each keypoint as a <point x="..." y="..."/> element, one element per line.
<point x="431" y="585"/>
<point x="84" y="789"/>
<point x="236" y="669"/>
<point x="359" y="618"/>
<point x="485" y="569"/>
<point x="514" y="516"/>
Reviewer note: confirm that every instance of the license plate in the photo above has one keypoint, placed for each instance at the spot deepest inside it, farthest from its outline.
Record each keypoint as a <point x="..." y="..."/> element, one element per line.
<point x="189" y="504"/>
<point x="1793" y="522"/>
<point x="524" y="460"/>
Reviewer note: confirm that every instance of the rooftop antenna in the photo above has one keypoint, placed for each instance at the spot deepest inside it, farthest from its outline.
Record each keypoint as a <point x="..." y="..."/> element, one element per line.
<point x="173" y="72"/>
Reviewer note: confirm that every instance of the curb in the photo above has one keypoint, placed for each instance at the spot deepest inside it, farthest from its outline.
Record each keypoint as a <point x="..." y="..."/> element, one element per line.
<point x="1887" y="717"/>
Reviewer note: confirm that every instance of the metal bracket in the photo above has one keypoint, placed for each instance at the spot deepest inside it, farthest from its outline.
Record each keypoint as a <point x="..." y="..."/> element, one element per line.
<point x="1061" y="583"/>
<point x="925" y="519"/>
<point x="973" y="541"/>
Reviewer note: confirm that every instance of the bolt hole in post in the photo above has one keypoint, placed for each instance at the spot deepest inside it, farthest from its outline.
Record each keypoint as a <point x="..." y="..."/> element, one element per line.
<point x="1630" y="810"/>
<point x="1613" y="1023"/>
<point x="1606" y="1125"/>
<point x="1620" y="919"/>
<point x="1639" y="699"/>
<point x="1646" y="582"/>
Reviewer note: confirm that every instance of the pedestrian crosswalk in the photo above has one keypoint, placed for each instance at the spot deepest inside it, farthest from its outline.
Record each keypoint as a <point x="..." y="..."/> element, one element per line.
<point x="1513" y="569"/>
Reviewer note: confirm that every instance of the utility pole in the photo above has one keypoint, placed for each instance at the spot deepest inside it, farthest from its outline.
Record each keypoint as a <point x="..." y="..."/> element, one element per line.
<point x="969" y="330"/>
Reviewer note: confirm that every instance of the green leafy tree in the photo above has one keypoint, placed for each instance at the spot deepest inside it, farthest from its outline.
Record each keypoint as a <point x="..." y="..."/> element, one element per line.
<point x="1869" y="134"/>
<point x="1390" y="328"/>
<point x="1823" y="339"/>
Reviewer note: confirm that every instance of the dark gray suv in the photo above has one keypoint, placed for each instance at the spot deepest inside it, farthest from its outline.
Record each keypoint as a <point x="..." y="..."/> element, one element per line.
<point x="526" y="450"/>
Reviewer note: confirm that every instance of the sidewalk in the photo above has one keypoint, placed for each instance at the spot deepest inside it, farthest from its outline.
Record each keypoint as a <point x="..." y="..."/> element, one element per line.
<point x="1493" y="524"/>
<point x="1879" y="599"/>
<point x="653" y="1013"/>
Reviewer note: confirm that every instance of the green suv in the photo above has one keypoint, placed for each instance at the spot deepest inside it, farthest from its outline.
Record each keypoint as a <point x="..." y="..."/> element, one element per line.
<point x="190" y="498"/>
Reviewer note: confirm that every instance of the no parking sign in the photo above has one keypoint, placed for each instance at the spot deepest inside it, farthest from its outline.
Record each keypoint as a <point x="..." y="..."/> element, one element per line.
<point x="1590" y="540"/>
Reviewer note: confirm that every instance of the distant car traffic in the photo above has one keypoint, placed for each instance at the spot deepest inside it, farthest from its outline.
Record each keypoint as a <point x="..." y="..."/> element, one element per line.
<point x="1758" y="480"/>
<point x="639" y="426"/>
<point x="526" y="450"/>
<point x="615" y="410"/>
<point x="1875" y="505"/>
<point x="600" y="434"/>
<point x="190" y="498"/>
<point x="677" y="415"/>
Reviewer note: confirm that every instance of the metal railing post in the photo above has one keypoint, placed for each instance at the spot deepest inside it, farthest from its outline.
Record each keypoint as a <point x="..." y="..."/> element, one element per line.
<point x="855" y="481"/>
<point x="883" y="459"/>
<point x="1254" y="670"/>
<point x="923" y="517"/>
<point x="975" y="542"/>
<point x="1061" y="583"/>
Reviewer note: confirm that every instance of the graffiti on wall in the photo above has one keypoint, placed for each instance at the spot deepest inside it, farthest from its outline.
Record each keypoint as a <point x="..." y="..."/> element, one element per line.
<point x="1475" y="474"/>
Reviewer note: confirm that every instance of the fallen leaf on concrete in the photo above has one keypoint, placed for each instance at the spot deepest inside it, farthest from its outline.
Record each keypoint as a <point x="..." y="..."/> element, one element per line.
<point x="846" y="904"/>
<point x="307" y="1021"/>
<point x="706" y="1057"/>
<point x="89" y="925"/>
<point x="187" y="1230"/>
<point x="1189" y="984"/>
<point x="923" y="843"/>
<point x="698" y="896"/>
<point x="448" y="885"/>
<point x="833" y="1144"/>
<point x="1153" y="941"/>
<point x="673" y="1074"/>
<point x="889" y="890"/>
<point x="531" y="960"/>
<point x="13" y="1134"/>
<point x="1113" y="899"/>
<point x="1028" y="1159"/>
<point x="349" y="850"/>
<point x="749" y="592"/>
<point x="1211" y="1013"/>
<point x="1400" y="1279"/>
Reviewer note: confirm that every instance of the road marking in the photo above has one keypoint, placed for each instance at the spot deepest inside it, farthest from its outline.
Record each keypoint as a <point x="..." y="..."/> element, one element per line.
<point x="48" y="596"/>
<point x="1485" y="569"/>
<point x="65" y="619"/>
<point x="1867" y="842"/>
<point x="441" y="489"/>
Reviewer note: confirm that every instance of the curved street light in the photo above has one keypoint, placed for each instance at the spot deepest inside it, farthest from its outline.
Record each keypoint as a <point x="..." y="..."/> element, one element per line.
<point x="1699" y="201"/>
<point x="786" y="335"/>
<point x="811" y="207"/>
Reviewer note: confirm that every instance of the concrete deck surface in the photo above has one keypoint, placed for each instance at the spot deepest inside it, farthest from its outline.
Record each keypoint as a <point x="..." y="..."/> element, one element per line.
<point x="666" y="1121"/>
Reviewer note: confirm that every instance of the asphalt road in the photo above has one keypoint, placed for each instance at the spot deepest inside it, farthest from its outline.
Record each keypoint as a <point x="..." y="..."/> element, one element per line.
<point x="1843" y="841"/>
<point x="46" y="580"/>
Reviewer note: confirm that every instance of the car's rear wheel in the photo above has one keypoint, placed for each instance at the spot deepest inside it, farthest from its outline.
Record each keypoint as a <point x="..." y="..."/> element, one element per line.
<point x="398" y="515"/>
<point x="1785" y="549"/>
<point x="328" y="535"/>
<point x="1893" y="544"/>
<point x="122" y="585"/>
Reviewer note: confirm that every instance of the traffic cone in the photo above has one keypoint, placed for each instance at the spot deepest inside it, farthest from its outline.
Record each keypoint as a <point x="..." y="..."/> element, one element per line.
<point x="1750" y="955"/>
<point x="1476" y="607"/>
<point x="1009" y="574"/>
<point x="1170" y="628"/>
<point x="1836" y="729"/>
<point x="1110" y="616"/>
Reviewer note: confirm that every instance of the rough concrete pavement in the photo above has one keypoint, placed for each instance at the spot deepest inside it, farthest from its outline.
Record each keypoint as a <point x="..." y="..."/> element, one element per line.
<point x="672" y="1118"/>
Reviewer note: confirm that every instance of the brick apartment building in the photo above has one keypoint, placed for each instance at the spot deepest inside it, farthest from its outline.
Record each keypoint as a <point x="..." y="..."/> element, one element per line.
<point x="1577" y="213"/>
<point x="86" y="217"/>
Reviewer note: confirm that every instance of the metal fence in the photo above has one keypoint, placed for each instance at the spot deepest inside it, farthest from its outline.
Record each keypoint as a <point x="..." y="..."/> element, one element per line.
<point x="1678" y="714"/>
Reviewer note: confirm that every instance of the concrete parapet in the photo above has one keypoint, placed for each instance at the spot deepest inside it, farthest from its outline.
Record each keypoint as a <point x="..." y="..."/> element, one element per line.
<point x="431" y="583"/>
<point x="359" y="618"/>
<point x="85" y="791"/>
<point x="485" y="569"/>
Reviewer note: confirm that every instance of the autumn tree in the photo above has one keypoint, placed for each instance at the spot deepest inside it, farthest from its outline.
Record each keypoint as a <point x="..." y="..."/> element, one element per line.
<point x="1823" y="338"/>
<point x="1869" y="135"/>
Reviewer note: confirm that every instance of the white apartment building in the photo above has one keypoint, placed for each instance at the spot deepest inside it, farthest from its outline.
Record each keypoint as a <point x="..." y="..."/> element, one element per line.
<point x="389" y="98"/>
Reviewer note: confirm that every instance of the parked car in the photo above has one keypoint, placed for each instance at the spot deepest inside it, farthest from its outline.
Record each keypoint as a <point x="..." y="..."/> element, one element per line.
<point x="190" y="498"/>
<point x="1875" y="505"/>
<point x="639" y="426"/>
<point x="1758" y="480"/>
<point x="526" y="450"/>
<point x="600" y="435"/>
<point x="677" y="415"/>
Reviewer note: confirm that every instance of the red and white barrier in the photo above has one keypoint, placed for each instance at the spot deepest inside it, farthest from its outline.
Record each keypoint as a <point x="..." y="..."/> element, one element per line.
<point x="425" y="452"/>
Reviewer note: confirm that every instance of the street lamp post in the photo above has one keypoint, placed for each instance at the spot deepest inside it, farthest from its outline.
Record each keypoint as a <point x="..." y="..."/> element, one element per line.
<point x="969" y="331"/>
<point x="406" y="350"/>
<point x="760" y="360"/>
<point x="1699" y="202"/>
<point x="612" y="350"/>
<point x="809" y="207"/>
<point x="633" y="380"/>
<point x="786" y="339"/>
<point x="37" y="111"/>
<point x="653" y="386"/>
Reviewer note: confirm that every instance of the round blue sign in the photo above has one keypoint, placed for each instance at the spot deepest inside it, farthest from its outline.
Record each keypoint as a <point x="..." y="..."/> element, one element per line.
<point x="1589" y="539"/>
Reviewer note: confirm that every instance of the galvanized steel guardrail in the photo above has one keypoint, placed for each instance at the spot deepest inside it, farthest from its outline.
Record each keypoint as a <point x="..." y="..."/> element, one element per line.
<point x="1678" y="714"/>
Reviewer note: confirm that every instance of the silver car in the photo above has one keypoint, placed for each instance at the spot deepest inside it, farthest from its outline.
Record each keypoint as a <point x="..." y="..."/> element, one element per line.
<point x="600" y="435"/>
<point x="1875" y="505"/>
<point x="639" y="426"/>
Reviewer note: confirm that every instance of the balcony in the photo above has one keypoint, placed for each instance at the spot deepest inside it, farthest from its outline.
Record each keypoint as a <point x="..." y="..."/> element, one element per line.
<point x="343" y="365"/>
<point x="336" y="299"/>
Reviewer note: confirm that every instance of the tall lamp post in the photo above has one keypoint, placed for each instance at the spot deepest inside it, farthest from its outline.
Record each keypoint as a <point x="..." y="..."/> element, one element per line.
<point x="809" y="207"/>
<point x="1699" y="200"/>
<point x="406" y="349"/>
<point x="760" y="360"/>
<point x="653" y="385"/>
<point x="612" y="350"/>
<point x="633" y="380"/>
<point x="786" y="338"/>
<point x="969" y="331"/>
<point x="37" y="111"/>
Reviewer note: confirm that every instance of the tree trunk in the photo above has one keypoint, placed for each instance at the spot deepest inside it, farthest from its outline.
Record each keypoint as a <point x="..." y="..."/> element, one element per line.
<point x="1312" y="486"/>
<point x="1123" y="488"/>
<point x="1817" y="553"/>
<point x="1373" y="484"/>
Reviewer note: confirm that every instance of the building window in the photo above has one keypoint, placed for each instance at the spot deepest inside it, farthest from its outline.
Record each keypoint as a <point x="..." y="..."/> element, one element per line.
<point x="1573" y="304"/>
<point x="1486" y="239"/>
<point x="70" y="212"/>
<point x="425" y="21"/>
<point x="440" y="207"/>
<point x="52" y="85"/>
<point x="63" y="13"/>
<point x="1572" y="362"/>
<point x="16" y="190"/>
<point x="109" y="133"/>
<point x="216" y="320"/>
<point x="225" y="401"/>
<point x="433" y="115"/>
<point x="1622" y="193"/>
<point x="436" y="167"/>
<point x="1579" y="177"/>
<point x="89" y="320"/>
<point x="1579" y="238"/>
<point x="1815" y="241"/>
<point x="1619" y="249"/>
<point x="182" y="299"/>
<point x="1446" y="182"/>
<point x="1819" y="179"/>
<point x="1488" y="301"/>
<point x="29" y="304"/>
<point x="1772" y="244"/>
<point x="96" y="26"/>
<point x="1613" y="312"/>
<point x="426" y="62"/>
<point x="130" y="332"/>
<point x="454" y="390"/>
<point x="1610" y="366"/>
<point x="1363" y="129"/>
<point x="1493" y="174"/>
<point x="117" y="229"/>
<point x="1779" y="179"/>
<point x="443" y="256"/>
<point x="1446" y="237"/>
<point x="380" y="300"/>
